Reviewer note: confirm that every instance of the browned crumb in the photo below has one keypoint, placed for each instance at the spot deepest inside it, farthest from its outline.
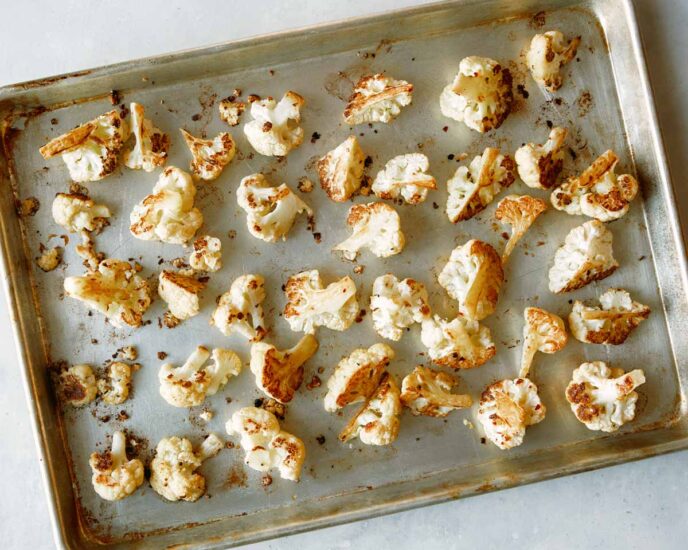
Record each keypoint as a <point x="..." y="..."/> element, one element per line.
<point x="305" y="185"/>
<point x="266" y="480"/>
<point x="162" y="355"/>
<point x="359" y="269"/>
<point x="28" y="207"/>
<point x="275" y="407"/>
<point x="314" y="383"/>
<point x="169" y="320"/>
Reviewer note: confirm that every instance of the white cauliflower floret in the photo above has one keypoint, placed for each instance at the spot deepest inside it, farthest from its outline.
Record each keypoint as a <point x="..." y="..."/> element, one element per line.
<point x="50" y="258"/>
<point x="428" y="392"/>
<point x="602" y="398"/>
<point x="279" y="373"/>
<point x="114" y="476"/>
<point x="115" y="290"/>
<point x="152" y="144"/>
<point x="77" y="385"/>
<point x="275" y="130"/>
<point x="116" y="387"/>
<point x="231" y="110"/>
<point x="377" y="227"/>
<point x="311" y="305"/>
<point x="270" y="211"/>
<point x="610" y="324"/>
<point x="459" y="344"/>
<point x="173" y="470"/>
<point x="395" y="305"/>
<point x="405" y="175"/>
<point x="168" y="214"/>
<point x="473" y="276"/>
<point x="539" y="166"/>
<point x="240" y="308"/>
<point x="341" y="170"/>
<point x="180" y="293"/>
<point x="597" y="192"/>
<point x="76" y="212"/>
<point x="547" y="54"/>
<point x="357" y="376"/>
<point x="377" y="98"/>
<point x="210" y="156"/>
<point x="189" y="385"/>
<point x="207" y="254"/>
<point x="474" y="187"/>
<point x="544" y="332"/>
<point x="90" y="151"/>
<point x="585" y="256"/>
<point x="518" y="211"/>
<point x="377" y="422"/>
<point x="480" y="95"/>
<point x="265" y="444"/>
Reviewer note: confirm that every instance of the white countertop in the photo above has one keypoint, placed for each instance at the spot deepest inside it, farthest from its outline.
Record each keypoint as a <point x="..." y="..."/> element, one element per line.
<point x="637" y="505"/>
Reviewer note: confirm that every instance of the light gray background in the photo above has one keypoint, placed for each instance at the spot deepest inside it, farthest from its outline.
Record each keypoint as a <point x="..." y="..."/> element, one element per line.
<point x="638" y="505"/>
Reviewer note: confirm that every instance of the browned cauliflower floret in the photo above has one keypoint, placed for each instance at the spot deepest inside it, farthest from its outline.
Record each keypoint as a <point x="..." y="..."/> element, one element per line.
<point x="207" y="254"/>
<point x="396" y="305"/>
<point x="428" y="392"/>
<point x="77" y="212"/>
<point x="115" y="476"/>
<point x="151" y="146"/>
<point x="341" y="170"/>
<point x="77" y="385"/>
<point x="544" y="332"/>
<point x="518" y="211"/>
<point x="405" y="175"/>
<point x="539" y="166"/>
<point x="210" y="156"/>
<point x="231" y="110"/>
<point x="377" y="98"/>
<point x="181" y="293"/>
<point x="274" y="130"/>
<point x="241" y="310"/>
<point x="547" y="54"/>
<point x="377" y="227"/>
<point x="115" y="388"/>
<point x="459" y="344"/>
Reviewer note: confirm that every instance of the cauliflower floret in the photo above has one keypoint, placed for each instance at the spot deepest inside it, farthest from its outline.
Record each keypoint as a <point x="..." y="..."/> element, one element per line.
<point x="279" y="373"/>
<point x="90" y="151"/>
<point x="231" y="110"/>
<point x="275" y="130"/>
<point x="311" y="305"/>
<point x="270" y="211"/>
<point x="266" y="445"/>
<point x="473" y="276"/>
<point x="114" y="289"/>
<point x="114" y="476"/>
<point x="585" y="256"/>
<point x="116" y="387"/>
<point x="152" y="144"/>
<point x="207" y="254"/>
<point x="602" y="398"/>
<point x="168" y="214"/>
<point x="544" y="332"/>
<point x="189" y="385"/>
<point x="396" y="305"/>
<point x="180" y="293"/>
<point x="405" y="175"/>
<point x="597" y="192"/>
<point x="377" y="227"/>
<point x="173" y="470"/>
<point x="76" y="212"/>
<point x="341" y="170"/>
<point x="539" y="166"/>
<point x="610" y="324"/>
<point x="428" y="392"/>
<point x="210" y="156"/>
<point x="474" y="187"/>
<point x="377" y="98"/>
<point x="240" y="308"/>
<point x="377" y="422"/>
<point x="77" y="385"/>
<point x="459" y="344"/>
<point x="507" y="408"/>
<point x="518" y="211"/>
<point x="357" y="376"/>
<point x="480" y="95"/>
<point x="547" y="54"/>
<point x="50" y="258"/>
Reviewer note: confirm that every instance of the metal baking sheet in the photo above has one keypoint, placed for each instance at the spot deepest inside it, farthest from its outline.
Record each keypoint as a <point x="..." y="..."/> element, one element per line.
<point x="605" y="103"/>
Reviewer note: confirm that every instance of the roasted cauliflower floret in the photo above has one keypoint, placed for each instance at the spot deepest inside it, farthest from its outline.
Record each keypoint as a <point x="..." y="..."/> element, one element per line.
<point x="90" y="151"/>
<point x="274" y="130"/>
<point x="210" y="156"/>
<point x="507" y="408"/>
<point x="190" y="384"/>
<point x="270" y="211"/>
<point x="459" y="344"/>
<point x="115" y="388"/>
<point x="240" y="309"/>
<point x="168" y="214"/>
<point x="428" y="392"/>
<point x="279" y="373"/>
<point x="311" y="305"/>
<point x="544" y="332"/>
<point x="610" y="324"/>
<point x="518" y="211"/>
<point x="377" y="98"/>
<point x="547" y="54"/>
<point x="602" y="398"/>
<point x="151" y="146"/>
<point x="181" y="294"/>
<point x="597" y="192"/>
<point x="480" y="95"/>
<point x="405" y="175"/>
<point x="396" y="305"/>
<point x="539" y="166"/>
<point x="207" y="254"/>
<point x="115" y="476"/>
<point x="377" y="227"/>
<point x="474" y="187"/>
<point x="76" y="212"/>
<point x="341" y="170"/>
<point x="357" y="376"/>
<point x="265" y="444"/>
<point x="115" y="290"/>
<point x="585" y="256"/>
<point x="50" y="258"/>
<point x="173" y="470"/>
<point x="231" y="110"/>
<point x="77" y="385"/>
<point x="473" y="276"/>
